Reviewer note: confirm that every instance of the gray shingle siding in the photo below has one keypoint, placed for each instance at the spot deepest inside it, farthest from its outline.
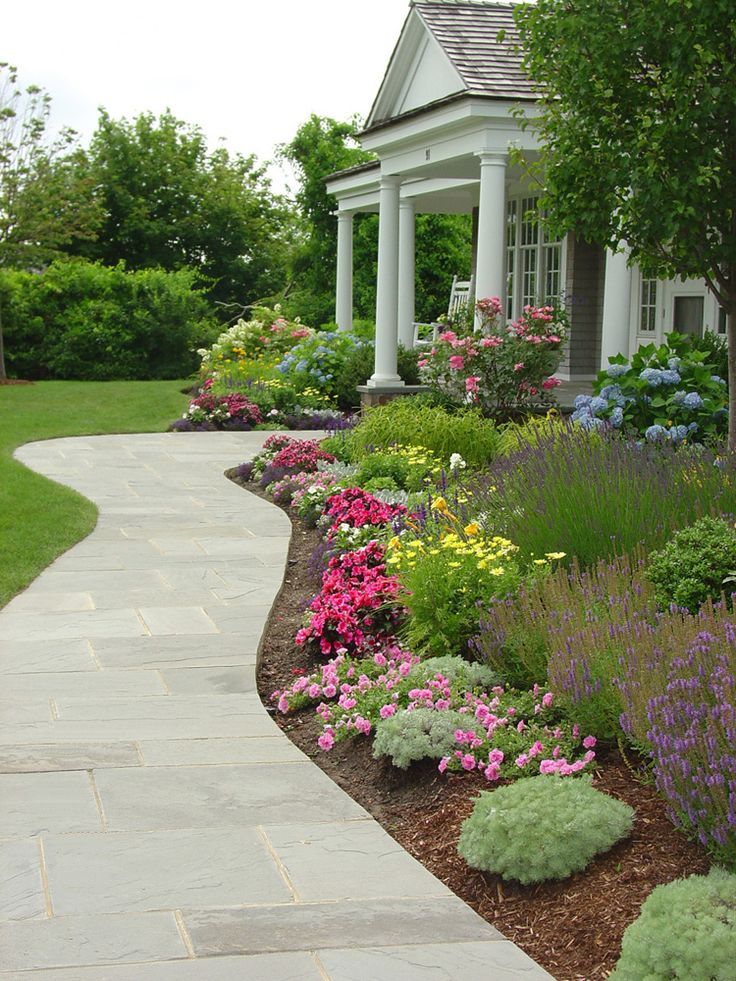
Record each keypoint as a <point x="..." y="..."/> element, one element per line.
<point x="584" y="296"/>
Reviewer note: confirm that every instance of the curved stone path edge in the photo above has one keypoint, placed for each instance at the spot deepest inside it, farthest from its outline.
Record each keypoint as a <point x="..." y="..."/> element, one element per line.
<point x="155" y="823"/>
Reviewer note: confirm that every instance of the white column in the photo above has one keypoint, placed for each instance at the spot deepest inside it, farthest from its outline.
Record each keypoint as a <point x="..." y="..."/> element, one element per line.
<point x="344" y="283"/>
<point x="387" y="293"/>
<point x="490" y="273"/>
<point x="616" y="306"/>
<point x="406" y="273"/>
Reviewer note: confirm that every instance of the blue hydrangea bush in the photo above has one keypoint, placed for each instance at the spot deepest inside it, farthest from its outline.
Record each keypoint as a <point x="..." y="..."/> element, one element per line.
<point x="666" y="393"/>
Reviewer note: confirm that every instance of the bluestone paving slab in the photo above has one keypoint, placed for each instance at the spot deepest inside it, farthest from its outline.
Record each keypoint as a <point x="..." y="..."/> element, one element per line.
<point x="34" y="802"/>
<point x="359" y="923"/>
<point x="257" y="967"/>
<point x="97" y="684"/>
<point x="130" y="872"/>
<point x="157" y="798"/>
<point x="67" y="941"/>
<point x="67" y="756"/>
<point x="194" y="810"/>
<point x="24" y="656"/>
<point x="205" y="681"/>
<point x="263" y="749"/>
<point x="184" y="651"/>
<point x="325" y="861"/>
<point x="21" y="887"/>
<point x="500" y="961"/>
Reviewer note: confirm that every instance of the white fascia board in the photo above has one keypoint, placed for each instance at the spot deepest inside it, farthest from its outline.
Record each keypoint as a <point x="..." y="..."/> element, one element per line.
<point x="417" y="130"/>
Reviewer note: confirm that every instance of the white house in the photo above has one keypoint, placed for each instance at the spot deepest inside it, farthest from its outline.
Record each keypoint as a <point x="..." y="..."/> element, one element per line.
<point x="441" y="127"/>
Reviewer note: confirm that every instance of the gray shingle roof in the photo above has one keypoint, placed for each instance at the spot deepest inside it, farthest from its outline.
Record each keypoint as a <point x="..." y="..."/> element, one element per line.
<point x="468" y="31"/>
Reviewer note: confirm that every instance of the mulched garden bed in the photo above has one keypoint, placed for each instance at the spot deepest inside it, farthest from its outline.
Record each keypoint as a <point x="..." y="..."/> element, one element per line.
<point x="572" y="928"/>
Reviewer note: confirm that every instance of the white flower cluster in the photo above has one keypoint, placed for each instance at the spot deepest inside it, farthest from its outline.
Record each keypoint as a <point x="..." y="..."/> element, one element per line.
<point x="457" y="463"/>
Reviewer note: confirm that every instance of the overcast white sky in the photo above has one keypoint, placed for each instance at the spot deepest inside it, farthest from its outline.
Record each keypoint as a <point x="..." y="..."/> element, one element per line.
<point x="249" y="72"/>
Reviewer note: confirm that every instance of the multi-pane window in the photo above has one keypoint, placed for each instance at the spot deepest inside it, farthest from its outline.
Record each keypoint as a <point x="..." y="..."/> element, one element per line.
<point x="648" y="306"/>
<point x="533" y="261"/>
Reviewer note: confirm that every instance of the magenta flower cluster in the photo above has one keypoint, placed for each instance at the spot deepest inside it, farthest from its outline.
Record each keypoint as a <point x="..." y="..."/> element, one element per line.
<point x="301" y="456"/>
<point x="224" y="410"/>
<point x="357" y="509"/>
<point x="356" y="609"/>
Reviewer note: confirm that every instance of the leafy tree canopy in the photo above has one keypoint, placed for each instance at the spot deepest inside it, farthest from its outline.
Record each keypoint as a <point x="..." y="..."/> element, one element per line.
<point x="171" y="203"/>
<point x="638" y="129"/>
<point x="46" y="189"/>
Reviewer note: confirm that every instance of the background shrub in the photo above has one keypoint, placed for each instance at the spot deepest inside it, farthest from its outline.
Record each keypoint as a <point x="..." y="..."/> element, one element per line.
<point x="692" y="567"/>
<point x="686" y="929"/>
<point x="548" y="827"/>
<point x="80" y="320"/>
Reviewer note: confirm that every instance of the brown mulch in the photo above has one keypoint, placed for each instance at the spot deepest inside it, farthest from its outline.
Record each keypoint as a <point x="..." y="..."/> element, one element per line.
<point x="14" y="381"/>
<point x="572" y="928"/>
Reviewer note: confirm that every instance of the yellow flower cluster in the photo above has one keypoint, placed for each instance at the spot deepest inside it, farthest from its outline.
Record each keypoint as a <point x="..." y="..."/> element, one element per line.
<point x="470" y="548"/>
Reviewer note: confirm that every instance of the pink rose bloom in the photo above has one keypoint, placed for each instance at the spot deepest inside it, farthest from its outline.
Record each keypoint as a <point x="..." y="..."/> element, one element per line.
<point x="386" y="711"/>
<point x="314" y="691"/>
<point x="491" y="342"/>
<point x="521" y="760"/>
<point x="422" y="363"/>
<point x="519" y="366"/>
<point x="468" y="762"/>
<point x="521" y="726"/>
<point x="496" y="757"/>
<point x="326" y="741"/>
<point x="589" y="756"/>
<point x="589" y="742"/>
<point x="536" y="749"/>
<point x="442" y="764"/>
<point x="448" y="335"/>
<point x="457" y="362"/>
<point x="362" y="725"/>
<point x="329" y="691"/>
<point x="547" y="699"/>
<point x="548" y="766"/>
<point x="491" y="772"/>
<point x="283" y="705"/>
<point x="471" y="383"/>
<point x="549" y="383"/>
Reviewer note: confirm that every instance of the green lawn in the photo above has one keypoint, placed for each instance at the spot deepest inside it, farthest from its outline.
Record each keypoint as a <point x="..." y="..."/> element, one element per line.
<point x="38" y="518"/>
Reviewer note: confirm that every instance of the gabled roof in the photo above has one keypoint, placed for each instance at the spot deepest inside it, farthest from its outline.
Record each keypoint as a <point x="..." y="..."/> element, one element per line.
<point x="452" y="48"/>
<point x="468" y="33"/>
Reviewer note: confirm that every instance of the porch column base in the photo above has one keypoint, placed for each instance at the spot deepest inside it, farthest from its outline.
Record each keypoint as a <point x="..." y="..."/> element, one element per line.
<point x="380" y="394"/>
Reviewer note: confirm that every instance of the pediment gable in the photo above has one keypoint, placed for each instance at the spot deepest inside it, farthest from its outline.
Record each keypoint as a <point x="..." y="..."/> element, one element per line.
<point x="419" y="73"/>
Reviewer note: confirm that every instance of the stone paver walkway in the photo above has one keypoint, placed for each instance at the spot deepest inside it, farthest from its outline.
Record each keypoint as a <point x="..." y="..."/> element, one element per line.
<point x="154" y="822"/>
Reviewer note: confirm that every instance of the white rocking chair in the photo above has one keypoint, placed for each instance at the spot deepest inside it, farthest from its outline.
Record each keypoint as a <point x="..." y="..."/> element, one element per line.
<point x="461" y="294"/>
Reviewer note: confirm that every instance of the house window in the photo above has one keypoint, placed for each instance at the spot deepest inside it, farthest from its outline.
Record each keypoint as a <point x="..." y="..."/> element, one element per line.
<point x="533" y="260"/>
<point x="721" y="320"/>
<point x="648" y="307"/>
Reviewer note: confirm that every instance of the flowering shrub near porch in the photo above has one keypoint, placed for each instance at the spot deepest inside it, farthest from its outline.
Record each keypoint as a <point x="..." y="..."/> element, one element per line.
<point x="499" y="367"/>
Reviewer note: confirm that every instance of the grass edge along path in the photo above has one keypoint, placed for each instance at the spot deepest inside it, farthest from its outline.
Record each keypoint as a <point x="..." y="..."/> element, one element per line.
<point x="40" y="519"/>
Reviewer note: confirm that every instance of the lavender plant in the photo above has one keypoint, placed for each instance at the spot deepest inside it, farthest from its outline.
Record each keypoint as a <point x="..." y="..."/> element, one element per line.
<point x="595" y="495"/>
<point x="693" y="740"/>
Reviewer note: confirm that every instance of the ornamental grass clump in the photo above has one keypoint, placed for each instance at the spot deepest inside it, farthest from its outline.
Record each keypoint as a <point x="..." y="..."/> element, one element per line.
<point x="541" y="829"/>
<point x="407" y="737"/>
<point x="697" y="564"/>
<point x="413" y="421"/>
<point x="596" y="495"/>
<point x="686" y="929"/>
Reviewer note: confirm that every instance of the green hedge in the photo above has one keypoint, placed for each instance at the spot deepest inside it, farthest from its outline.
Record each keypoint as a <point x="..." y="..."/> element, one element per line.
<point x="81" y="320"/>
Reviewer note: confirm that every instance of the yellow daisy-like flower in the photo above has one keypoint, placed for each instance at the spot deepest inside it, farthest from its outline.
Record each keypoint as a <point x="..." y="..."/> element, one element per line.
<point x="472" y="529"/>
<point x="555" y="555"/>
<point x="395" y="542"/>
<point x="440" y="504"/>
<point x="498" y="571"/>
<point x="540" y="562"/>
<point x="454" y="565"/>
